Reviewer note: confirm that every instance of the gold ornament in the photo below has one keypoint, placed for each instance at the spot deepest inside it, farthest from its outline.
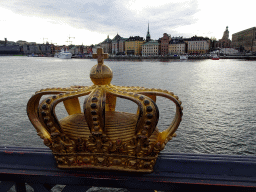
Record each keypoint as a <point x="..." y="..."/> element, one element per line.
<point x="100" y="137"/>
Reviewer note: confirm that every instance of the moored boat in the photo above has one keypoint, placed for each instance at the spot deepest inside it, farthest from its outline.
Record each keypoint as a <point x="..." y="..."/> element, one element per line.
<point x="64" y="54"/>
<point x="215" y="57"/>
<point x="183" y="57"/>
<point x="33" y="55"/>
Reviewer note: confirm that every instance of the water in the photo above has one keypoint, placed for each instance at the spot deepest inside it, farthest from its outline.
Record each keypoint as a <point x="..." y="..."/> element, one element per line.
<point x="218" y="98"/>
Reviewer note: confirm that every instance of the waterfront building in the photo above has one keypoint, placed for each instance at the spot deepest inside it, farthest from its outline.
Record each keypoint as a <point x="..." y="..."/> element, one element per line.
<point x="44" y="48"/>
<point x="133" y="45"/>
<point x="198" y="45"/>
<point x="151" y="48"/>
<point x="9" y="47"/>
<point x="89" y="50"/>
<point x="165" y="40"/>
<point x="122" y="45"/>
<point x="74" y="50"/>
<point x="118" y="45"/>
<point x="245" y="40"/>
<point x="177" y="46"/>
<point x="225" y="42"/>
<point x="21" y="42"/>
<point x="107" y="45"/>
<point x="85" y="48"/>
<point x="31" y="48"/>
<point x="95" y="47"/>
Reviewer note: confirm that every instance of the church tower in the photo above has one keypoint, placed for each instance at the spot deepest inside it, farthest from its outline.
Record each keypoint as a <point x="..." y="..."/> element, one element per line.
<point x="225" y="42"/>
<point x="226" y="34"/>
<point x="148" y="35"/>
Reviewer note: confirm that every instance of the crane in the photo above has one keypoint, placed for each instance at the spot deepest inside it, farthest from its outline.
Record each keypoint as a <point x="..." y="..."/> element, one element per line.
<point x="44" y="39"/>
<point x="69" y="39"/>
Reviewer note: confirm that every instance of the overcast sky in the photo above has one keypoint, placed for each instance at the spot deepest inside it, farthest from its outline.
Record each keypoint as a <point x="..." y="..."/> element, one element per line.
<point x="91" y="21"/>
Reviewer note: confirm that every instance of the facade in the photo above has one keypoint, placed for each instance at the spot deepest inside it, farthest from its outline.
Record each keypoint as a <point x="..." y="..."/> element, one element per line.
<point x="133" y="45"/>
<point x="122" y="45"/>
<point x="89" y="50"/>
<point x="107" y="45"/>
<point x="177" y="46"/>
<point x="30" y="48"/>
<point x="118" y="45"/>
<point x="94" y="49"/>
<point x="165" y="44"/>
<point x="74" y="50"/>
<point x="151" y="48"/>
<point x="245" y="40"/>
<point x="198" y="45"/>
<point x="9" y="47"/>
<point x="225" y="42"/>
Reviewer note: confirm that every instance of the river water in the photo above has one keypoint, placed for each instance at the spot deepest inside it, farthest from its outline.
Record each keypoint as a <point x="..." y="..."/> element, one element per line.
<point x="218" y="98"/>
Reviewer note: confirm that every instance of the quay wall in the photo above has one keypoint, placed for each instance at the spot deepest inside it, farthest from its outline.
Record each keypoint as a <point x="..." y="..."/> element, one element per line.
<point x="170" y="57"/>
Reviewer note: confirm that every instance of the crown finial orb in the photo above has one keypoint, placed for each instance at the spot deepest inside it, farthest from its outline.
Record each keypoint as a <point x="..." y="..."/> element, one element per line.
<point x="101" y="74"/>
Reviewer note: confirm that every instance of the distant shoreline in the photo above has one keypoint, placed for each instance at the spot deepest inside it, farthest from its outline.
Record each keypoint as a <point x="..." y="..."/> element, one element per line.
<point x="125" y="57"/>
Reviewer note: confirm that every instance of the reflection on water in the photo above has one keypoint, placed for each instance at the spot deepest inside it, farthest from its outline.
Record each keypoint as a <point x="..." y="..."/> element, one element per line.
<point x="217" y="96"/>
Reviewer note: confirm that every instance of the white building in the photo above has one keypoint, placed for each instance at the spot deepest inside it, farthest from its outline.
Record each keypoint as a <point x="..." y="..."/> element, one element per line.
<point x="150" y="48"/>
<point x="94" y="49"/>
<point x="198" y="45"/>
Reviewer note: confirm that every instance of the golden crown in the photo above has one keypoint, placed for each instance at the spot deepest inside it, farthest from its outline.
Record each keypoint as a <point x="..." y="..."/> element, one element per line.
<point x="100" y="137"/>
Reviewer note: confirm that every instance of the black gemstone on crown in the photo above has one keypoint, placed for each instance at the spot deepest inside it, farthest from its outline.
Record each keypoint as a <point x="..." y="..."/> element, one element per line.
<point x="146" y="102"/>
<point x="150" y="116"/>
<point x="44" y="107"/>
<point x="141" y="97"/>
<point x="149" y="109"/>
<point x="43" y="114"/>
<point x="93" y="106"/>
<point x="48" y="101"/>
<point x="94" y="99"/>
<point x="93" y="112"/>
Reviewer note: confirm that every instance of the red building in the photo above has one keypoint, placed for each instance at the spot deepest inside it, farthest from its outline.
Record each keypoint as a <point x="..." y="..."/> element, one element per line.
<point x="165" y="44"/>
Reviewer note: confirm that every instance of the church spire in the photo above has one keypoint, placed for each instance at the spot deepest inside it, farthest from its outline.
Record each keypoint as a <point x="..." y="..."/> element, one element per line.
<point x="148" y="34"/>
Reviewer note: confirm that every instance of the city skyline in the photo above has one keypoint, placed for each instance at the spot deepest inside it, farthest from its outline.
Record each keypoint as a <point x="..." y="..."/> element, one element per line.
<point x="91" y="22"/>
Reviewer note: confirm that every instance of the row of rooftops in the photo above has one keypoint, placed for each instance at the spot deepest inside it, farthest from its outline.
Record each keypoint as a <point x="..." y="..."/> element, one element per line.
<point x="173" y="40"/>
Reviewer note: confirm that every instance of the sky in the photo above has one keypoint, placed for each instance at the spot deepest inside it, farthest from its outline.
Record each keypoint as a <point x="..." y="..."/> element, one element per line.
<point x="91" y="21"/>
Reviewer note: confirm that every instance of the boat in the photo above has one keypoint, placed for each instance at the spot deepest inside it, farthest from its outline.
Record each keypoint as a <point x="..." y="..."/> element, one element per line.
<point x="33" y="55"/>
<point x="215" y="57"/>
<point x="64" y="54"/>
<point x="183" y="57"/>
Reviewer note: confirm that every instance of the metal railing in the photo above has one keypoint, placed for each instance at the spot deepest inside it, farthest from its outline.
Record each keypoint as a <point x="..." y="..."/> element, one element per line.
<point x="36" y="167"/>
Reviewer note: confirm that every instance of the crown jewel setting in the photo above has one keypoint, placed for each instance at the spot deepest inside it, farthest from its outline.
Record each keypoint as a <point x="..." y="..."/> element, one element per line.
<point x="98" y="137"/>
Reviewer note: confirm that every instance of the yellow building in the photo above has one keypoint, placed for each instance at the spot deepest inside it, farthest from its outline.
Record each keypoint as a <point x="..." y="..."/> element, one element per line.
<point x="133" y="45"/>
<point x="177" y="46"/>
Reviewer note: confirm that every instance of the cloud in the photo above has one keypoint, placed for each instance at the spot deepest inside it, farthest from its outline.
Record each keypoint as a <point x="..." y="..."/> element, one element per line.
<point x="128" y="18"/>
